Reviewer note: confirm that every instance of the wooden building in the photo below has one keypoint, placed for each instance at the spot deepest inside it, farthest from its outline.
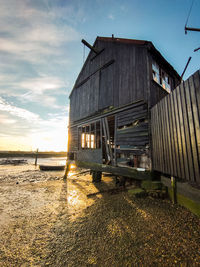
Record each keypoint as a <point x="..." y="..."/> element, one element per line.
<point x="110" y="103"/>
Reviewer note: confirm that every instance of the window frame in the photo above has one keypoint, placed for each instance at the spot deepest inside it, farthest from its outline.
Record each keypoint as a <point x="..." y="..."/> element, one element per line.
<point x="160" y="76"/>
<point x="89" y="136"/>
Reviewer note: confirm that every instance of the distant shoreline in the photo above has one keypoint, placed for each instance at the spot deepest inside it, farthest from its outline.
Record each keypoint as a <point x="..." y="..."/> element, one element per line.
<point x="9" y="154"/>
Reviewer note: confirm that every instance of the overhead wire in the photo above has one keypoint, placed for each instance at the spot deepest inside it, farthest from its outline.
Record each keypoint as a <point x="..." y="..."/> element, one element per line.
<point x="189" y="13"/>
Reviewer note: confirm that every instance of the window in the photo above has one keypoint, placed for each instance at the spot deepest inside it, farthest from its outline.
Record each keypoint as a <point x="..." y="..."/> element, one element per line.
<point x="156" y="72"/>
<point x="161" y="77"/>
<point x="89" y="136"/>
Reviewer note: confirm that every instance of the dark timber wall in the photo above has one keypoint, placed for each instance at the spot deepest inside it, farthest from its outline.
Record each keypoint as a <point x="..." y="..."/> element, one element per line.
<point x="136" y="136"/>
<point x="115" y="77"/>
<point x="119" y="76"/>
<point x="176" y="132"/>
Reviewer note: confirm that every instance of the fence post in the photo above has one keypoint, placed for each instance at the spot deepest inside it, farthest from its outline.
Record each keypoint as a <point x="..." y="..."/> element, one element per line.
<point x="174" y="189"/>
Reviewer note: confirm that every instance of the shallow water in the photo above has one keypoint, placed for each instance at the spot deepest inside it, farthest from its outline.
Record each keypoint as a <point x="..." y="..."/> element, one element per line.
<point x="46" y="221"/>
<point x="49" y="161"/>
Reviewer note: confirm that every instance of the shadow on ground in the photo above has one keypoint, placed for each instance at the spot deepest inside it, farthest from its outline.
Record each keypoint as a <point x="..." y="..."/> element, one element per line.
<point x="70" y="223"/>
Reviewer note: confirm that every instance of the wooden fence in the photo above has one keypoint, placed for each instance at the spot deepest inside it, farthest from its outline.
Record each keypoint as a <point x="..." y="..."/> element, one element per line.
<point x="175" y="126"/>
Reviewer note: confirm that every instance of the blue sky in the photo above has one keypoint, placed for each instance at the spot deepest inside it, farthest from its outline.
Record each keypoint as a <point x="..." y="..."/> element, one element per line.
<point x="41" y="55"/>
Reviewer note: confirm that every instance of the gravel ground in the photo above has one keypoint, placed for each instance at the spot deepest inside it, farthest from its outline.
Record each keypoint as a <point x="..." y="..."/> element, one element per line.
<point x="45" y="221"/>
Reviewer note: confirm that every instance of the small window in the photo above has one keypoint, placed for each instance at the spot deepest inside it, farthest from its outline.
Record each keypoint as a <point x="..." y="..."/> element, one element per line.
<point x="89" y="136"/>
<point x="156" y="73"/>
<point x="161" y="77"/>
<point x="83" y="140"/>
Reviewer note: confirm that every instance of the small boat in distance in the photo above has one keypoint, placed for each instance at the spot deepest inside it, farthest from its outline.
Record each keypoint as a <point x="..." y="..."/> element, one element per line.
<point x="52" y="167"/>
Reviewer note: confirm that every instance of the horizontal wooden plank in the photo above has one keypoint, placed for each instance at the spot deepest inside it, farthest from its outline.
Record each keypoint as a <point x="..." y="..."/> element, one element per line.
<point x="123" y="171"/>
<point x="132" y="119"/>
<point x="133" y="115"/>
<point x="132" y="111"/>
<point x="132" y="135"/>
<point x="133" y="143"/>
<point x="140" y="127"/>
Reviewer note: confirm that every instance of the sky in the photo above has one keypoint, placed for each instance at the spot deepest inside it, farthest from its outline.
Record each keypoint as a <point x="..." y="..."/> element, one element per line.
<point x="41" y="55"/>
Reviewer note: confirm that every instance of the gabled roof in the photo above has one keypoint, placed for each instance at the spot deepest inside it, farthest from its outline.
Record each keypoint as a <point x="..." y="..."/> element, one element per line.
<point x="149" y="44"/>
<point x="138" y="42"/>
<point x="121" y="40"/>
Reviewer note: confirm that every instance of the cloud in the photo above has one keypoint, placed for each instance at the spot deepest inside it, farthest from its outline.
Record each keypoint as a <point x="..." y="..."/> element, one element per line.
<point x="4" y="119"/>
<point x="43" y="90"/>
<point x="34" y="33"/>
<point x="16" y="111"/>
<point x="35" y="40"/>
<point x="44" y="100"/>
<point x="28" y="130"/>
<point x="41" y="84"/>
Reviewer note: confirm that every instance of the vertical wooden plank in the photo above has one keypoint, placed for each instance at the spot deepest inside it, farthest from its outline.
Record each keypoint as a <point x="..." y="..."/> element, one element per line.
<point x="171" y="126"/>
<point x="160" y="138"/>
<point x="174" y="104"/>
<point x="196" y="78"/>
<point x="132" y="72"/>
<point x="101" y="136"/>
<point x="115" y="141"/>
<point x="163" y="133"/>
<point x="182" y="130"/>
<point x="108" y="139"/>
<point x="168" y="136"/>
<point x="192" y="132"/>
<point x="195" y="98"/>
<point x="156" y="139"/>
<point x="187" y="135"/>
<point x="179" y="140"/>
<point x="153" y="140"/>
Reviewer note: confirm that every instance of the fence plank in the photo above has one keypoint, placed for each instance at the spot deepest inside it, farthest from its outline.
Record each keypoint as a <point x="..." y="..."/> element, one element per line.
<point x="192" y="132"/>
<point x="182" y="130"/>
<point x="195" y="98"/>
<point x="171" y="169"/>
<point x="175" y="124"/>
<point x="179" y="141"/>
<point x="164" y="138"/>
<point x="174" y="137"/>
<point x="187" y="134"/>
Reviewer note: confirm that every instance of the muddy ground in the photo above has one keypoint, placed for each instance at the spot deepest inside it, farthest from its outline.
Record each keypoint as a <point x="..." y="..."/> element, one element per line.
<point x="45" y="221"/>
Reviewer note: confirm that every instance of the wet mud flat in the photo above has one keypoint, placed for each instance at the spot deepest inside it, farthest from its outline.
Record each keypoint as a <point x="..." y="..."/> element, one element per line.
<point x="45" y="221"/>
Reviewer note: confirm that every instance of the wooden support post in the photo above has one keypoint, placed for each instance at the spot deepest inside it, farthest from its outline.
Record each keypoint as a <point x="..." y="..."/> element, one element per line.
<point x="66" y="170"/>
<point x="174" y="188"/>
<point x="36" y="156"/>
<point x="96" y="176"/>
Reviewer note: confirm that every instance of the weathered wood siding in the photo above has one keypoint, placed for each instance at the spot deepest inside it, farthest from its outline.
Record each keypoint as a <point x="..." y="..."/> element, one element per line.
<point x="175" y="124"/>
<point x="73" y="139"/>
<point x="90" y="155"/>
<point x="116" y="77"/>
<point x="135" y="136"/>
<point x="156" y="92"/>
